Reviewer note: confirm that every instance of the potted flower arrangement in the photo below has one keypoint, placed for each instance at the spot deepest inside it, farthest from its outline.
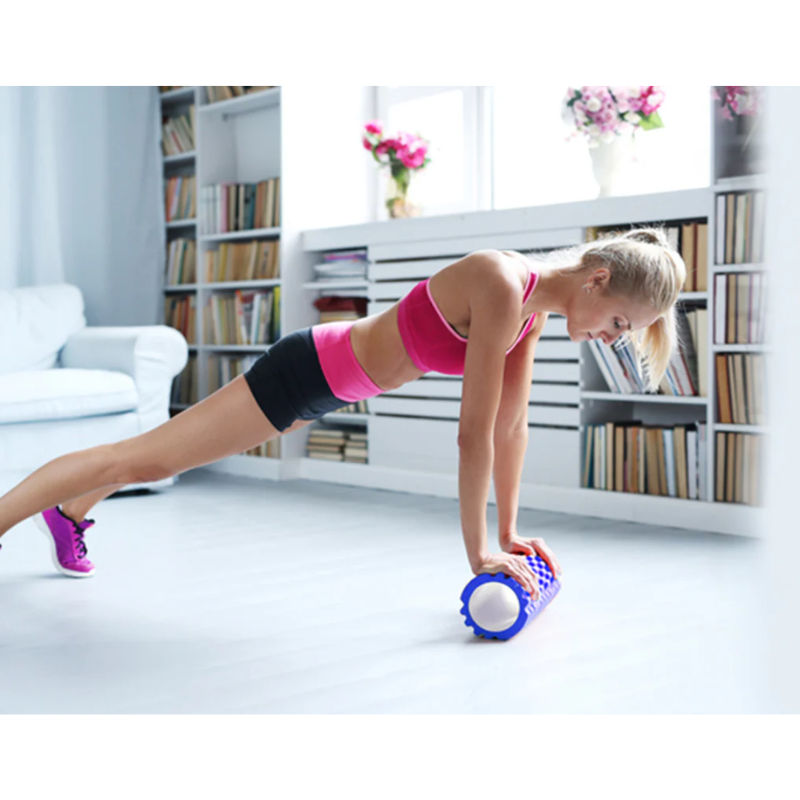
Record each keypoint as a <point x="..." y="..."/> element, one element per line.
<point x="608" y="117"/>
<point x="403" y="154"/>
<point x="738" y="145"/>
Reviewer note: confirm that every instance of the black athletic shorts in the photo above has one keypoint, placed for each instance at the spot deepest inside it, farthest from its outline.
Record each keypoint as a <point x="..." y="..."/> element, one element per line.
<point x="288" y="383"/>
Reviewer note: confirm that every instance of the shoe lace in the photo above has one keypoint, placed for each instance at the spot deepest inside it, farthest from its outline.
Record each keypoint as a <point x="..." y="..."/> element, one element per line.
<point x="80" y="545"/>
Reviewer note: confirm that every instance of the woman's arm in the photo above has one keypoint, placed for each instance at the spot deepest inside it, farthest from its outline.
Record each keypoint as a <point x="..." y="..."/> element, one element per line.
<point x="494" y="321"/>
<point x="511" y="430"/>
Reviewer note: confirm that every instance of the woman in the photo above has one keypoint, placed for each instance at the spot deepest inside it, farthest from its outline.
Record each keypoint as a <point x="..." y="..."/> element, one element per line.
<point x="480" y="316"/>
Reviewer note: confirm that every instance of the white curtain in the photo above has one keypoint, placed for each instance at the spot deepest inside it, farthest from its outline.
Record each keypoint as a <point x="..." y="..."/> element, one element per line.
<point x="81" y="197"/>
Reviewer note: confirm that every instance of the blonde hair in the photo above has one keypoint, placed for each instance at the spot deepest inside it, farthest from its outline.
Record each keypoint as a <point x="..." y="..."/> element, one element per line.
<point x="646" y="270"/>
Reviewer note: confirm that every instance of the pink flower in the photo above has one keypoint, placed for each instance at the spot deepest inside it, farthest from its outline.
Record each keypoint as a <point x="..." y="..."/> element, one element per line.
<point x="415" y="159"/>
<point x="367" y="143"/>
<point x="386" y="145"/>
<point x="374" y="127"/>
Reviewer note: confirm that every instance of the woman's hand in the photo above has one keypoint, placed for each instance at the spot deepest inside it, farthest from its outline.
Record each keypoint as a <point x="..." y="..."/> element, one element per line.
<point x="515" y="567"/>
<point x="512" y="543"/>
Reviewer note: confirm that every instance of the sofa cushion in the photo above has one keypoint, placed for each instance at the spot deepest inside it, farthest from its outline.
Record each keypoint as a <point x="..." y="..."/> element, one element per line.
<point x="35" y="323"/>
<point x="65" y="393"/>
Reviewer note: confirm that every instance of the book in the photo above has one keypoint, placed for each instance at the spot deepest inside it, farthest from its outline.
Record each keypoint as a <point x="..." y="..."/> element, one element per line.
<point x="701" y="265"/>
<point x="689" y="254"/>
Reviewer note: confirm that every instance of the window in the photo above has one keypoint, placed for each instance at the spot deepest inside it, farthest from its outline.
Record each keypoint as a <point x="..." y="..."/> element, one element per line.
<point x="534" y="165"/>
<point x="506" y="146"/>
<point x="447" y="116"/>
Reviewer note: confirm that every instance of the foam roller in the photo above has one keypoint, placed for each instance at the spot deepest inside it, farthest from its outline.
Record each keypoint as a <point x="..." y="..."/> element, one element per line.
<point x="497" y="607"/>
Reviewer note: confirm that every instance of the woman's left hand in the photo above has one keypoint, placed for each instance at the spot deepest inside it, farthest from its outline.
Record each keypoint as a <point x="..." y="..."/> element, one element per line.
<point x="517" y="545"/>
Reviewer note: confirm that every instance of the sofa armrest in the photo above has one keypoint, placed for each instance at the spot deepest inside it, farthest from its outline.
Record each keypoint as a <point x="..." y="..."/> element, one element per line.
<point x="151" y="354"/>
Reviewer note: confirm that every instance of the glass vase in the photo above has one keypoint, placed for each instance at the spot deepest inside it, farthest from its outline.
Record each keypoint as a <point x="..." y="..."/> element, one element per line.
<point x="398" y="202"/>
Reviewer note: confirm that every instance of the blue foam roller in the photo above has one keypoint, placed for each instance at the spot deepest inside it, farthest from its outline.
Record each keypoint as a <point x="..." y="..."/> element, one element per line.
<point x="497" y="607"/>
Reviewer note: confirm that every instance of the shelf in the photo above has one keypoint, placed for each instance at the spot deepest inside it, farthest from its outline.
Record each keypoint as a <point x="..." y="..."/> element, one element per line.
<point x="606" y="211"/>
<point x="267" y="98"/>
<point x="322" y="469"/>
<point x="741" y="183"/>
<point x="180" y="158"/>
<point x="739" y="268"/>
<point x="342" y="284"/>
<point x="740" y="428"/>
<point x="181" y="223"/>
<point x="177" y="95"/>
<point x="256" y="233"/>
<point x="248" y="466"/>
<point x="347" y="418"/>
<point x="741" y="348"/>
<point x="185" y="287"/>
<point x="645" y="398"/>
<point x="265" y="284"/>
<point x="239" y="348"/>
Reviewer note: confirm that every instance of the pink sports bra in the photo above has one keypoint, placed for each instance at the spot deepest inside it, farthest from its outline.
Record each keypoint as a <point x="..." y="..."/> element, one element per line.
<point x="430" y="340"/>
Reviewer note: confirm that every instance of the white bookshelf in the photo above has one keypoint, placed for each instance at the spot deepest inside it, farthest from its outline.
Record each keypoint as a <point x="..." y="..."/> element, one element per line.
<point x="412" y="431"/>
<point x="236" y="141"/>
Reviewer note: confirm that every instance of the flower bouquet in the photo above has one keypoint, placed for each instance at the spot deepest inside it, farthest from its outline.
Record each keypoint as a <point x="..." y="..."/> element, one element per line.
<point x="608" y="117"/>
<point x="403" y="154"/>
<point x="603" y="113"/>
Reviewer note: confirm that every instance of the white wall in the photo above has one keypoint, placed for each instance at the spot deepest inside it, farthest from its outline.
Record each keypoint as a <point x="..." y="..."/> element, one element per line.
<point x="780" y="593"/>
<point x="327" y="180"/>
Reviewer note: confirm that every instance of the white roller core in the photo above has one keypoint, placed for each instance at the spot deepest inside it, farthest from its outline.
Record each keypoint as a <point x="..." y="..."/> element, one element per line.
<point x="494" y="606"/>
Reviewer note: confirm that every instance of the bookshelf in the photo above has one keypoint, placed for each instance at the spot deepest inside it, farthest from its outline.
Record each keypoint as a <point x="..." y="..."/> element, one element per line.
<point x="237" y="142"/>
<point x="412" y="431"/>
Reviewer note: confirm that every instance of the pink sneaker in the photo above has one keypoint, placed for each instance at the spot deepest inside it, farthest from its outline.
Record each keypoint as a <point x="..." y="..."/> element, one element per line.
<point x="66" y="542"/>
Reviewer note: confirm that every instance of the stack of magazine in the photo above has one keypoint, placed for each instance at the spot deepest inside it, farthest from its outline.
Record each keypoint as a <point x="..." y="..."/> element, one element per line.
<point x="685" y="375"/>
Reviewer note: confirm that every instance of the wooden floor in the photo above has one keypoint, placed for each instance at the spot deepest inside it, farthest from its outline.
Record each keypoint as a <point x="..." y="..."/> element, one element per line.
<point x="234" y="595"/>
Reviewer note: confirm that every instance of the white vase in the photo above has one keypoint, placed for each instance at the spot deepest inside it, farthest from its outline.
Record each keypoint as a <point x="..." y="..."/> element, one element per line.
<point x="611" y="163"/>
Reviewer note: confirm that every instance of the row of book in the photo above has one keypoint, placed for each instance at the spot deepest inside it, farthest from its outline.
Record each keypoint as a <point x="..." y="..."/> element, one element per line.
<point x="738" y="468"/>
<point x="686" y="374"/>
<point x="244" y="261"/>
<point x="694" y="252"/>
<point x="645" y="459"/>
<point x="217" y="93"/>
<point x="335" y="266"/>
<point x="270" y="449"/>
<point x="177" y="133"/>
<point x="185" y="384"/>
<point x="223" y="368"/>
<point x="229" y="207"/>
<point x="181" y="262"/>
<point x="333" y="444"/>
<point x="740" y="228"/>
<point x="243" y="317"/>
<point x="740" y="307"/>
<point x="361" y="407"/>
<point x="690" y="239"/>
<point x="179" y="199"/>
<point x="740" y="388"/>
<point x="181" y="313"/>
<point x="338" y="308"/>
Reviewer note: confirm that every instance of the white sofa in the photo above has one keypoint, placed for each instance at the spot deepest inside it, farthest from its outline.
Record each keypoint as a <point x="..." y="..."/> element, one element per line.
<point x="65" y="386"/>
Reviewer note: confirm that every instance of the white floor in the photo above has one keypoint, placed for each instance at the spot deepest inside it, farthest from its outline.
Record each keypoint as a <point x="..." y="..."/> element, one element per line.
<point x="232" y="595"/>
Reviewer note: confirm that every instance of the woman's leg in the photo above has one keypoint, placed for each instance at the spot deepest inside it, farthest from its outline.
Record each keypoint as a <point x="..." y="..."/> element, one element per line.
<point x="223" y="424"/>
<point x="78" y="507"/>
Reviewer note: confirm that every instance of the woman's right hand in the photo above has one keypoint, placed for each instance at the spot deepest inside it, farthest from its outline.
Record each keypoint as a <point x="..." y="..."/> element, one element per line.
<point x="516" y="567"/>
